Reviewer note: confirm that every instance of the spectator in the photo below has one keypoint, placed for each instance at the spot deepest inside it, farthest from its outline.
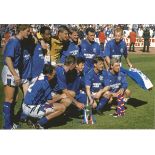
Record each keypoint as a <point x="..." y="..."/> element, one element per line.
<point x="140" y="33"/>
<point x="0" y="39"/>
<point x="146" y="36"/>
<point x="102" y="39"/>
<point x="81" y="33"/>
<point x="132" y="40"/>
<point x="151" y="32"/>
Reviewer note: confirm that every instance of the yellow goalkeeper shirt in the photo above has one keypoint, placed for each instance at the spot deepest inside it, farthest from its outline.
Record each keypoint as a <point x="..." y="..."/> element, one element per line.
<point x="56" y="48"/>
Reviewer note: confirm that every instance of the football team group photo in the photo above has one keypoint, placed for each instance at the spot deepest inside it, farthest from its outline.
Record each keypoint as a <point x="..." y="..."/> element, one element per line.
<point x="77" y="76"/>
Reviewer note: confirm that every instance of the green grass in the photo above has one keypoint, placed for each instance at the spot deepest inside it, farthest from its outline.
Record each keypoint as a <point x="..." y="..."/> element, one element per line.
<point x="139" y="115"/>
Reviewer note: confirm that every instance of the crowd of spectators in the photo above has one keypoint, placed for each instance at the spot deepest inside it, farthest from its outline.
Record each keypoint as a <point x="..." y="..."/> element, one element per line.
<point x="106" y="30"/>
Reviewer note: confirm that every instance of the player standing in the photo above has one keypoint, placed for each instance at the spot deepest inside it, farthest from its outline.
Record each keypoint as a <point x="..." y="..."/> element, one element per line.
<point x="73" y="45"/>
<point x="89" y="49"/>
<point x="116" y="48"/>
<point x="39" y="56"/>
<point x="10" y="73"/>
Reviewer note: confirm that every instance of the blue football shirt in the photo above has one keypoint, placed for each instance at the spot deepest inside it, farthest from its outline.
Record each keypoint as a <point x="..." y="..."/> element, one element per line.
<point x="115" y="81"/>
<point x="116" y="50"/>
<point x="38" y="92"/>
<point x="13" y="50"/>
<point x="73" y="49"/>
<point x="94" y="80"/>
<point x="88" y="52"/>
<point x="38" y="61"/>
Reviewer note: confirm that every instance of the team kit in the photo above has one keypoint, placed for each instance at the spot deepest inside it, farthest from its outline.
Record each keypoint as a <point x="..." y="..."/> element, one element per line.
<point x="54" y="73"/>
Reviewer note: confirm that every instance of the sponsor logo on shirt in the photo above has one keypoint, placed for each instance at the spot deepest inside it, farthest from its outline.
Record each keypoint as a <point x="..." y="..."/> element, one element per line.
<point x="94" y="50"/>
<point x="41" y="56"/>
<point x="89" y="56"/>
<point x="118" y="57"/>
<point x="121" y="50"/>
<point x="96" y="85"/>
<point x="75" y="52"/>
<point x="119" y="78"/>
<point x="115" y="86"/>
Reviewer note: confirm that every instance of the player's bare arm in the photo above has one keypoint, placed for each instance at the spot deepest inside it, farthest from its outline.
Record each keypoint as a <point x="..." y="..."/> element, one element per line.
<point x="89" y="95"/>
<point x="75" y="102"/>
<point x="107" y="60"/>
<point x="128" y="62"/>
<point x="57" y="98"/>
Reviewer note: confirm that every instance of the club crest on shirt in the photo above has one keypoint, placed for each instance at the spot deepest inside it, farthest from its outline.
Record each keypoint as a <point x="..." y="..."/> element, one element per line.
<point x="94" y="50"/>
<point x="119" y="78"/>
<point x="113" y="50"/>
<point x="121" y="50"/>
<point x="101" y="78"/>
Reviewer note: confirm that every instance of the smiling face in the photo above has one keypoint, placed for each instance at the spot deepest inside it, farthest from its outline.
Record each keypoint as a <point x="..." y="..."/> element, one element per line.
<point x="99" y="66"/>
<point x="46" y="35"/>
<point x="74" y="36"/>
<point x="80" y="67"/>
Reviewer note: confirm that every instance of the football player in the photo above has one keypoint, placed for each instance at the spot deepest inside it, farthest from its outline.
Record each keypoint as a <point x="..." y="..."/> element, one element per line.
<point x="10" y="73"/>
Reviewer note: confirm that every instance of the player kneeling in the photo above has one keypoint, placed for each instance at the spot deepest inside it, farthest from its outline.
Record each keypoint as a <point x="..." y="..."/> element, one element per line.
<point x="95" y="88"/>
<point x="38" y="102"/>
<point x="117" y="83"/>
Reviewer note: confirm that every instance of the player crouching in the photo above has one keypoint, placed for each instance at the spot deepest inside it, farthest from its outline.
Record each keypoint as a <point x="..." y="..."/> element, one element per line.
<point x="39" y="102"/>
<point x="117" y="83"/>
<point x="95" y="88"/>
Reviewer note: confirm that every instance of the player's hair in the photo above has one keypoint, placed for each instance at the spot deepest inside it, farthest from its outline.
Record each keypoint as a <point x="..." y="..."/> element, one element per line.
<point x="118" y="29"/>
<point x="71" y="59"/>
<point x="44" y="28"/>
<point x="73" y="29"/>
<point x="90" y="29"/>
<point x="21" y="27"/>
<point x="113" y="61"/>
<point x="62" y="28"/>
<point x="97" y="59"/>
<point x="48" y="69"/>
<point x="80" y="60"/>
